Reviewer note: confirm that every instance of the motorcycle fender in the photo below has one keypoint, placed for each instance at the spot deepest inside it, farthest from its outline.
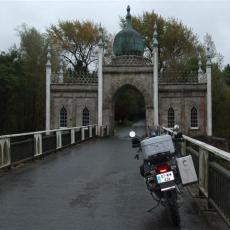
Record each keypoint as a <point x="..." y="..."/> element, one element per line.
<point x="168" y="186"/>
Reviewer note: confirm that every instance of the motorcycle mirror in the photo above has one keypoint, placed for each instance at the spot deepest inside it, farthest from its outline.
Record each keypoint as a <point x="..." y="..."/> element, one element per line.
<point x="132" y="134"/>
<point x="176" y="127"/>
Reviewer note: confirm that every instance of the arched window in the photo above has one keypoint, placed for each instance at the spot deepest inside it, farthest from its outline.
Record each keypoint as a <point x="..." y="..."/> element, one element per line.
<point x="85" y="117"/>
<point x="63" y="117"/>
<point x="194" y="119"/>
<point x="171" y="118"/>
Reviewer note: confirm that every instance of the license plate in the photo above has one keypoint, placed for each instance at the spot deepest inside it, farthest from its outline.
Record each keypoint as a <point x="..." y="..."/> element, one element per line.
<point x="165" y="177"/>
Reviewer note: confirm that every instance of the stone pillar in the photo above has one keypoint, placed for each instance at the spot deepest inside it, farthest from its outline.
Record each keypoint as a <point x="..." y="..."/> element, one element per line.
<point x="209" y="93"/>
<point x="155" y="77"/>
<point x="100" y="80"/>
<point x="48" y="79"/>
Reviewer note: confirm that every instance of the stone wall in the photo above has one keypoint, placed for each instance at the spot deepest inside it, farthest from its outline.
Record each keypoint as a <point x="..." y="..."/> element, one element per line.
<point x="74" y="97"/>
<point x="182" y="98"/>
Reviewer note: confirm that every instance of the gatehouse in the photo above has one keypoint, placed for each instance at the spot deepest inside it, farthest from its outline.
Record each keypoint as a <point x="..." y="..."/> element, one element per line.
<point x="169" y="98"/>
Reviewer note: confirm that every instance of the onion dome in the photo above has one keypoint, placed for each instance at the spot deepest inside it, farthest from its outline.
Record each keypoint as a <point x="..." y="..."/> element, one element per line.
<point x="128" y="41"/>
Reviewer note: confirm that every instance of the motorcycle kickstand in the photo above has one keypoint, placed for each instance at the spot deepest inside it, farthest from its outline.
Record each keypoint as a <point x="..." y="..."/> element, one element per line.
<point x="158" y="202"/>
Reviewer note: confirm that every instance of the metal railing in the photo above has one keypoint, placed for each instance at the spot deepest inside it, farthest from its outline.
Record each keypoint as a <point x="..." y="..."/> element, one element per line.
<point x="178" y="77"/>
<point x="213" y="170"/>
<point x="80" y="77"/>
<point x="17" y="148"/>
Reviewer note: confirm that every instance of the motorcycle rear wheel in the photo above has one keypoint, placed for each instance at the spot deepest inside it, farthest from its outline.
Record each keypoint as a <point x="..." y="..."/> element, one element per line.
<point x="174" y="214"/>
<point x="173" y="208"/>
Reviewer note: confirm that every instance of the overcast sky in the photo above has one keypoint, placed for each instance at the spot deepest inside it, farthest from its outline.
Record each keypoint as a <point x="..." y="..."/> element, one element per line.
<point x="202" y="16"/>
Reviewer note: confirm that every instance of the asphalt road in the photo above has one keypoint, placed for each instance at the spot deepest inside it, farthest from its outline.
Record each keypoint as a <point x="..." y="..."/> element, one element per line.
<point x="93" y="186"/>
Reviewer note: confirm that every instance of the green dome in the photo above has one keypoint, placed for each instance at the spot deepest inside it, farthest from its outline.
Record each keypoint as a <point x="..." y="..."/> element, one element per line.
<point x="128" y="41"/>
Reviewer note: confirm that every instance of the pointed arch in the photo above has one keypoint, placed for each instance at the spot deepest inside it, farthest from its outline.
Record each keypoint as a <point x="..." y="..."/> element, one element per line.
<point x="171" y="117"/>
<point x="85" y="117"/>
<point x="194" y="118"/>
<point x="63" y="117"/>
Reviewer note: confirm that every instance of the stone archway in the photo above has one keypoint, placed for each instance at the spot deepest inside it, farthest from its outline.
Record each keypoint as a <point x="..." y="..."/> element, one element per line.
<point x="116" y="77"/>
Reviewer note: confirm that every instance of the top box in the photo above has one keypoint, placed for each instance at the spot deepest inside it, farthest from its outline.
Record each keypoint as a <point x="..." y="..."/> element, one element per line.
<point x="155" y="145"/>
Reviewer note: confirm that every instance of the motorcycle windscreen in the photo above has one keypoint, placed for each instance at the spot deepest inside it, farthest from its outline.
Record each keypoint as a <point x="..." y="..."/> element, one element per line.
<point x="187" y="170"/>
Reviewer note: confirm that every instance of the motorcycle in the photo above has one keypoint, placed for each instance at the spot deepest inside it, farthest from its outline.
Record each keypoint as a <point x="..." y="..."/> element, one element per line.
<point x="160" y="171"/>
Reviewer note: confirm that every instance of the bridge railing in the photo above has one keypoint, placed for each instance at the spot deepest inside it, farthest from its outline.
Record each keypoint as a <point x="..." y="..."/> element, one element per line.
<point x="213" y="170"/>
<point x="17" y="148"/>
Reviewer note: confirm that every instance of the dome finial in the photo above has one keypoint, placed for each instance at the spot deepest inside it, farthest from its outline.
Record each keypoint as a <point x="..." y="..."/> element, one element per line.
<point x="128" y="18"/>
<point x="128" y="9"/>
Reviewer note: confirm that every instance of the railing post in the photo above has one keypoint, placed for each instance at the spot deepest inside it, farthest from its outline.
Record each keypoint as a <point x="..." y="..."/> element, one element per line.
<point x="203" y="171"/>
<point x="1" y="152"/>
<point x="90" y="131"/>
<point x="59" y="139"/>
<point x="183" y="148"/>
<point x="82" y="133"/>
<point x="37" y="144"/>
<point x="108" y="130"/>
<point x="102" y="130"/>
<point x="73" y="136"/>
<point x="96" y="131"/>
<point x="5" y="158"/>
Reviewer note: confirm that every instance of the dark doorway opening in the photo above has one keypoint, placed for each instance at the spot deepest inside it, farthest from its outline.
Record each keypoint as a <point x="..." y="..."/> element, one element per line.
<point x="129" y="107"/>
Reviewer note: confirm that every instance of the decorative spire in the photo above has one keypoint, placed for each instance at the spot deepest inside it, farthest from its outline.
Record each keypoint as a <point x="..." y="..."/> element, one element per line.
<point x="155" y="28"/>
<point x="155" y="36"/>
<point x="100" y="43"/>
<point x="61" y="69"/>
<point x="200" y="71"/>
<point x="61" y="64"/>
<point x="208" y="55"/>
<point x="48" y="63"/>
<point x="128" y="18"/>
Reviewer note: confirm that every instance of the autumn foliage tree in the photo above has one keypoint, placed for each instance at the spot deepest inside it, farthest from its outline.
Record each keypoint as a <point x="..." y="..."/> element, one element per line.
<point x="177" y="43"/>
<point x="77" y="41"/>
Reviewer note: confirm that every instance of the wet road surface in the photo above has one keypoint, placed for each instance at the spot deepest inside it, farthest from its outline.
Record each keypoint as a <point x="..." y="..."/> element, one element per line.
<point x="95" y="185"/>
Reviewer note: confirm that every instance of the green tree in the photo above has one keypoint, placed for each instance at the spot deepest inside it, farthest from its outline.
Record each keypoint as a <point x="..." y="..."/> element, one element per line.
<point x="215" y="56"/>
<point x="33" y="48"/>
<point x="221" y="105"/>
<point x="22" y="83"/>
<point x="226" y="74"/>
<point x="11" y="75"/>
<point x="220" y="91"/>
